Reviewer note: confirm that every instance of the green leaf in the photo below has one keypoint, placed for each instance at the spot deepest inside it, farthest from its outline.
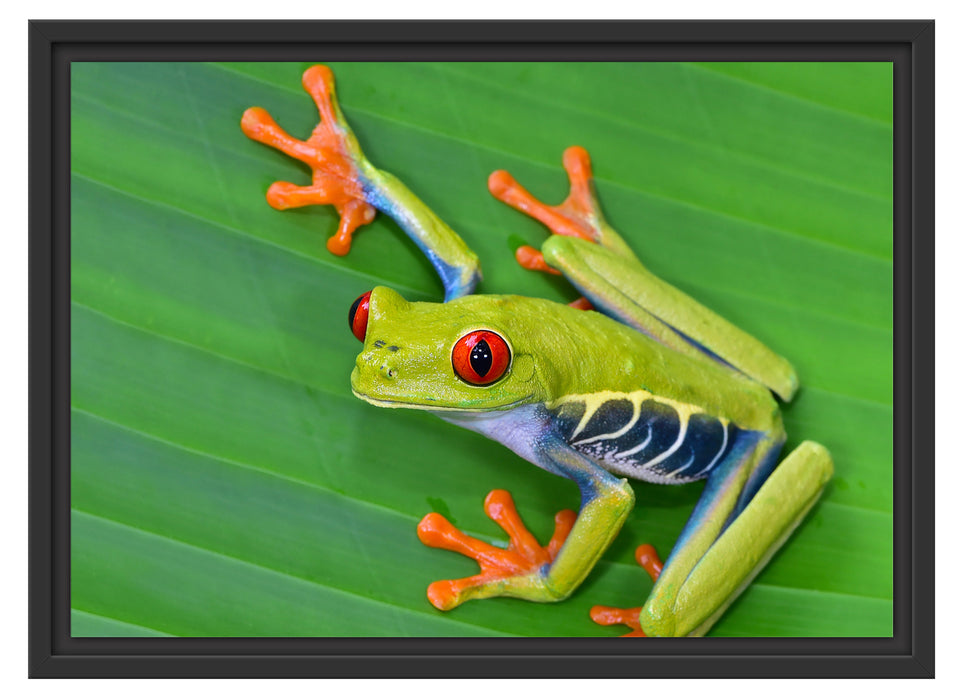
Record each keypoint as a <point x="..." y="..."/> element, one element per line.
<point x="225" y="481"/>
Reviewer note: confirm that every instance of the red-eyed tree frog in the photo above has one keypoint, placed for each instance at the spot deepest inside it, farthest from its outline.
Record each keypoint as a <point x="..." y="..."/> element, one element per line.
<point x="636" y="380"/>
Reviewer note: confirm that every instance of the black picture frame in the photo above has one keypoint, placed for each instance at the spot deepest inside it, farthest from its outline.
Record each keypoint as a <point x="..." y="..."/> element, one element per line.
<point x="53" y="45"/>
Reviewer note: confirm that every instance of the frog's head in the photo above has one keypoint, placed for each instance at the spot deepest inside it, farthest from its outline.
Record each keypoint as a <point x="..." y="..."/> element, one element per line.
<point x="469" y="354"/>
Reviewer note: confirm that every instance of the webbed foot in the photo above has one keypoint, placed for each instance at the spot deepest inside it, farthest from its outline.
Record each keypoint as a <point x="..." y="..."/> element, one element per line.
<point x="578" y="216"/>
<point x="332" y="153"/>
<point x="344" y="178"/>
<point x="647" y="558"/>
<point x="516" y="571"/>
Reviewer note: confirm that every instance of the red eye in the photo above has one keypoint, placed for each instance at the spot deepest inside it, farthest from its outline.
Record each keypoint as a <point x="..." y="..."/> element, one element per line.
<point x="480" y="357"/>
<point x="359" y="315"/>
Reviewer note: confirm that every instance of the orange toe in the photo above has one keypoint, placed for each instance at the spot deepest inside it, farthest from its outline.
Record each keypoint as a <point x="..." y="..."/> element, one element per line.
<point x="647" y="557"/>
<point x="531" y="259"/>
<point x="606" y="615"/>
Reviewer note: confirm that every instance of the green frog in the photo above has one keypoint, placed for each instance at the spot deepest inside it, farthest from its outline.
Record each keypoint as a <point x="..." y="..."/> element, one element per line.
<point x="635" y="380"/>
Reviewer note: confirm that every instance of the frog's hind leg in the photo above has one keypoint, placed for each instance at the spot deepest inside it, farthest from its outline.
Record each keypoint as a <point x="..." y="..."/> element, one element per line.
<point x="344" y="178"/>
<point x="744" y="516"/>
<point x="616" y="283"/>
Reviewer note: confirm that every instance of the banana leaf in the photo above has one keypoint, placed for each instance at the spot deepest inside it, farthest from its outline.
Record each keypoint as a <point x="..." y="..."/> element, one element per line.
<point x="225" y="482"/>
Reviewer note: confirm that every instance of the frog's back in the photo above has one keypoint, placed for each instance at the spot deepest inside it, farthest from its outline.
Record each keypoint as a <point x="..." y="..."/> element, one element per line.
<point x="645" y="437"/>
<point x="605" y="355"/>
<point x="632" y="405"/>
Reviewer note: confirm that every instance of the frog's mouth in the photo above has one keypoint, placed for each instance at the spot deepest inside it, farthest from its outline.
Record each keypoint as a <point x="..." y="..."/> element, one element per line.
<point x="392" y="403"/>
<point x="428" y="404"/>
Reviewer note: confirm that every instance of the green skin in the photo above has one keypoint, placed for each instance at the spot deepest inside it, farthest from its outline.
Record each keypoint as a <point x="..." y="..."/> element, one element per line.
<point x="662" y="343"/>
<point x="559" y="351"/>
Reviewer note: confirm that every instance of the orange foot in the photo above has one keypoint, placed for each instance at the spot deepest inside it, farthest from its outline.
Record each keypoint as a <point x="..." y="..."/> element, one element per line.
<point x="522" y="557"/>
<point x="577" y="216"/>
<point x="605" y="615"/>
<point x="332" y="154"/>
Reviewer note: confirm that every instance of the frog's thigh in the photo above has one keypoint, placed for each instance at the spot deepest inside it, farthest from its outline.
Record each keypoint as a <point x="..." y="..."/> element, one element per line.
<point x="620" y="287"/>
<point x="688" y="605"/>
<point x="614" y="284"/>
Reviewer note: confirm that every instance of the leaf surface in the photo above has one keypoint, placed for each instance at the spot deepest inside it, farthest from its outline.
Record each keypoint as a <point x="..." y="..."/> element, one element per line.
<point x="225" y="482"/>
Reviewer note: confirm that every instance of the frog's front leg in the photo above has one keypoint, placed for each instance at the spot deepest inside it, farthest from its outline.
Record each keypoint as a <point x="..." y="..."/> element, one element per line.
<point x="344" y="178"/>
<point x="525" y="569"/>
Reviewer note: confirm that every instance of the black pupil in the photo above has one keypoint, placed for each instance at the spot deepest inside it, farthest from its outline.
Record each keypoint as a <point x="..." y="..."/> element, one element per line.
<point x="481" y="358"/>
<point x="356" y="305"/>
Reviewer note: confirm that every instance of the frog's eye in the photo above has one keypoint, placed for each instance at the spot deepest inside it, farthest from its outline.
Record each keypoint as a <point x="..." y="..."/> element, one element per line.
<point x="480" y="357"/>
<point x="359" y="315"/>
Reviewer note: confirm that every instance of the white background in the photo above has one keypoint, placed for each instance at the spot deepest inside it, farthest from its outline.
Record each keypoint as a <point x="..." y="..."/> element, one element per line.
<point x="13" y="345"/>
